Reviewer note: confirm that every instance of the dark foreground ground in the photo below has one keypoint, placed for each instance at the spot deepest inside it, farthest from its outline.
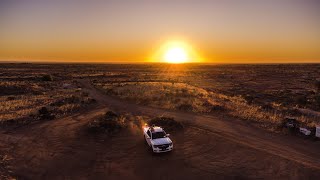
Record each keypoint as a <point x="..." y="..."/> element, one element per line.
<point x="210" y="146"/>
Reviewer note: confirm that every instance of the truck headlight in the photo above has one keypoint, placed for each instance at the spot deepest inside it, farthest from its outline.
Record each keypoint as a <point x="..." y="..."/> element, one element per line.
<point x="156" y="146"/>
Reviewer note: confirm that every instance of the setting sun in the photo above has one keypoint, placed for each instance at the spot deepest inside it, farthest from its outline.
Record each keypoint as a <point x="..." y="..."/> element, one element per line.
<point x="176" y="55"/>
<point x="176" y="52"/>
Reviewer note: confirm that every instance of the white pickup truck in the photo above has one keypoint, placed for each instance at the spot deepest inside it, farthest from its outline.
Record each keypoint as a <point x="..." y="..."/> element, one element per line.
<point x="157" y="139"/>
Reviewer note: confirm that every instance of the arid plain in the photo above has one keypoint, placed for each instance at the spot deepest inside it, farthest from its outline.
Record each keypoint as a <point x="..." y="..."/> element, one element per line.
<point x="55" y="120"/>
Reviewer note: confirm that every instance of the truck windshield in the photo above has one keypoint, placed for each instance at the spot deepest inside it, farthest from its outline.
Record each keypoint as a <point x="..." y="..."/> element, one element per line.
<point x="157" y="135"/>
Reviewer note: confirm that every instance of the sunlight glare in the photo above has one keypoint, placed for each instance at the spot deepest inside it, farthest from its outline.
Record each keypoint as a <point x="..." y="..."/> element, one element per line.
<point x="176" y="52"/>
<point x="176" y="55"/>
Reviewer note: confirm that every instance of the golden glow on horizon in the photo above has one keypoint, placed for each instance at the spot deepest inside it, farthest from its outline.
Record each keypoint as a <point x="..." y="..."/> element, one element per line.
<point x="145" y="31"/>
<point x="176" y="52"/>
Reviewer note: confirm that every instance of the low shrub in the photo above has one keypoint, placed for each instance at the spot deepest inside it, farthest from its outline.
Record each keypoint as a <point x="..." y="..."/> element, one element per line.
<point x="10" y="98"/>
<point x="166" y="122"/>
<point x="184" y="91"/>
<point x="249" y="98"/>
<point x="292" y="112"/>
<point x="110" y="122"/>
<point x="13" y="90"/>
<point x="47" y="77"/>
<point x="111" y="115"/>
<point x="43" y="110"/>
<point x="185" y="107"/>
<point x="45" y="114"/>
<point x="216" y="108"/>
<point x="85" y="94"/>
<point x="213" y="107"/>
<point x="267" y="107"/>
<point x="301" y="100"/>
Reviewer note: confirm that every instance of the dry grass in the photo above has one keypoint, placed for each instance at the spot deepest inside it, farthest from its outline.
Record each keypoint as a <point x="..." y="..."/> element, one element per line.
<point x="167" y="95"/>
<point x="256" y="93"/>
<point x="184" y="97"/>
<point x="240" y="108"/>
<point x="23" y="107"/>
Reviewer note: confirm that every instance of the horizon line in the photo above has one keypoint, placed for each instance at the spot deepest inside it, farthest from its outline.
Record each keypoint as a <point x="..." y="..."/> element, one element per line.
<point x="145" y="62"/>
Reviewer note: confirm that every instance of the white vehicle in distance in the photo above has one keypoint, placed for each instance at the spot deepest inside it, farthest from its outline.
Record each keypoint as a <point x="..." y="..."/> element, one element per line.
<point x="157" y="139"/>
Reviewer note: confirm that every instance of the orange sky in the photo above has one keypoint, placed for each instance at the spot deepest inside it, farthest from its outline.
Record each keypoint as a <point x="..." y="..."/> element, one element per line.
<point x="231" y="31"/>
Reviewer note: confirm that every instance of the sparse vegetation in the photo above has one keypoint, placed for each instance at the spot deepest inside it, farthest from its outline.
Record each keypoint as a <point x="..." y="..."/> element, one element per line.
<point x="45" y="114"/>
<point x="168" y="123"/>
<point x="194" y="99"/>
<point x="47" y="77"/>
<point x="22" y="96"/>
<point x="178" y="96"/>
<point x="24" y="109"/>
<point x="233" y="92"/>
<point x="109" y="123"/>
<point x="260" y="96"/>
<point x="185" y="107"/>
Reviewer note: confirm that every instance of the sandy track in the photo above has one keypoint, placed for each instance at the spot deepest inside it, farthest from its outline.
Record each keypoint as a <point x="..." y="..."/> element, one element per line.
<point x="210" y="147"/>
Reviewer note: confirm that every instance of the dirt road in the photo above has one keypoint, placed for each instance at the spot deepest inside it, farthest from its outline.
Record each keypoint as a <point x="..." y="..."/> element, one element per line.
<point x="212" y="146"/>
